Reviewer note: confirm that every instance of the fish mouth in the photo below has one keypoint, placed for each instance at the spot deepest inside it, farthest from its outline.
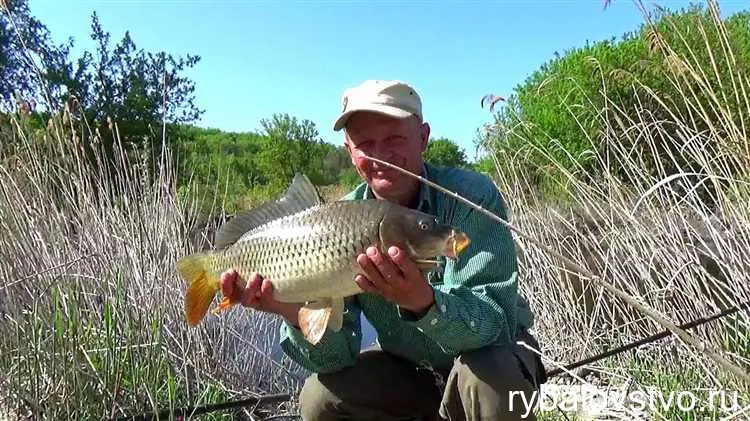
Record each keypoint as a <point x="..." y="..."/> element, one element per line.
<point x="457" y="243"/>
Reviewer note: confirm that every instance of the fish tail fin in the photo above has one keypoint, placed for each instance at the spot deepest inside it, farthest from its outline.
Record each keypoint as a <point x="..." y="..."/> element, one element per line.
<point x="202" y="288"/>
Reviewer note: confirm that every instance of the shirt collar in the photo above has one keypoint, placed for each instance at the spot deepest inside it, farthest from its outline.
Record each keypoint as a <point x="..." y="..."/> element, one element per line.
<point x="425" y="202"/>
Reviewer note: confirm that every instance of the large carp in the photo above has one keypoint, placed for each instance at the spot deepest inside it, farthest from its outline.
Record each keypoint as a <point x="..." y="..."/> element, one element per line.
<point x="308" y="250"/>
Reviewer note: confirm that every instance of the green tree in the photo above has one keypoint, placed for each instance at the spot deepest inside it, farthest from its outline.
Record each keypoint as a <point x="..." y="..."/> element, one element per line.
<point x="116" y="92"/>
<point x="445" y="152"/>
<point x="120" y="93"/>
<point x="290" y="146"/>
<point x="136" y="89"/>
<point x="27" y="54"/>
<point x="336" y="161"/>
<point x="213" y="164"/>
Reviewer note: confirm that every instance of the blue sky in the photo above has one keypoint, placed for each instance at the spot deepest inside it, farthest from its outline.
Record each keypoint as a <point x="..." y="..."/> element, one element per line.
<point x="265" y="57"/>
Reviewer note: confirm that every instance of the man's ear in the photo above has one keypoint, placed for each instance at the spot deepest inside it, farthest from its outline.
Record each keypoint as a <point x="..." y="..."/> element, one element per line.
<point x="424" y="131"/>
<point x="348" y="149"/>
<point x="352" y="158"/>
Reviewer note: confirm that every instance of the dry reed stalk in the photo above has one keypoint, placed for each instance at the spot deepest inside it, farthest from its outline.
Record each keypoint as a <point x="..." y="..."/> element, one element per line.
<point x="663" y="321"/>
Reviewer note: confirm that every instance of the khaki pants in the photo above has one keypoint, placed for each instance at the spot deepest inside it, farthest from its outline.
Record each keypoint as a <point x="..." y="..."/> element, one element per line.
<point x="381" y="386"/>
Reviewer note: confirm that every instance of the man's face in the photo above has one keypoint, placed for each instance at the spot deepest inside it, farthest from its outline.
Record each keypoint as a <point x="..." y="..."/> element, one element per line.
<point x="397" y="141"/>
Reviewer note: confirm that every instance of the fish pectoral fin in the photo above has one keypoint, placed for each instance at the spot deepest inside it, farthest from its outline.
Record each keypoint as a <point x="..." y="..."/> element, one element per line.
<point x="225" y="304"/>
<point x="316" y="317"/>
<point x="313" y="320"/>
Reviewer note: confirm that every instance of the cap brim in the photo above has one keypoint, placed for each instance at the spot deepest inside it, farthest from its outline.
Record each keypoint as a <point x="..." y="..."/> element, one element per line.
<point x="373" y="108"/>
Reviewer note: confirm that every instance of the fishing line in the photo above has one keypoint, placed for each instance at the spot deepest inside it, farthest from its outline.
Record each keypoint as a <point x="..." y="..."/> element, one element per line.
<point x="632" y="301"/>
<point x="196" y="410"/>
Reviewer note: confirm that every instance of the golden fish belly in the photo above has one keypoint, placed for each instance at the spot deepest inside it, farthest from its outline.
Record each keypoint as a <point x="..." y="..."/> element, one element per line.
<point x="310" y="256"/>
<point x="316" y="285"/>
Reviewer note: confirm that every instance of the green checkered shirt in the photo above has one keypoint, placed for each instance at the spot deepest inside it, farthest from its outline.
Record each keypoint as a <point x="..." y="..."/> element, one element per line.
<point x="476" y="298"/>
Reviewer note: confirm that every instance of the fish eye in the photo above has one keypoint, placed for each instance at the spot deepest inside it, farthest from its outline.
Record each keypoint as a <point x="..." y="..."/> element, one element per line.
<point x="423" y="225"/>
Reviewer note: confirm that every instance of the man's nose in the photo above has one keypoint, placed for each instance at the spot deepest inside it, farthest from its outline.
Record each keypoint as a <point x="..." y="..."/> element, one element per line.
<point x="383" y="152"/>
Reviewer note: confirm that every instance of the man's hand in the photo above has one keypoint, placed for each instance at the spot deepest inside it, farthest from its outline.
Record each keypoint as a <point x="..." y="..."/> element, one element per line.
<point x="395" y="277"/>
<point x="257" y="294"/>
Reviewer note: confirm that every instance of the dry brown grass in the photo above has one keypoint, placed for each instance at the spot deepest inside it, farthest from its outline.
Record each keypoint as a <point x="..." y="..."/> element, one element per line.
<point x="92" y="309"/>
<point x="91" y="321"/>
<point x="657" y="238"/>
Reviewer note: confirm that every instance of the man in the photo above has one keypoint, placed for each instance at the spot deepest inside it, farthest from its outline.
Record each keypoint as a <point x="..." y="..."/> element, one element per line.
<point x="447" y="342"/>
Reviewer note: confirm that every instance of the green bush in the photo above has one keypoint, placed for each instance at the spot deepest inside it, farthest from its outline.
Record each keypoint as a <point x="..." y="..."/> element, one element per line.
<point x="561" y="119"/>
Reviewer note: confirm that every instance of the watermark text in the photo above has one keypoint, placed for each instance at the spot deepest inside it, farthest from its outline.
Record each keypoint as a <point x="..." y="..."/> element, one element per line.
<point x="594" y="400"/>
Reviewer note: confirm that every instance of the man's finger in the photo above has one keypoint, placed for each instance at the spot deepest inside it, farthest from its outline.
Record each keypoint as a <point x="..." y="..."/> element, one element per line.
<point x="255" y="279"/>
<point x="404" y="263"/>
<point x="366" y="284"/>
<point x="227" y="280"/>
<point x="252" y="291"/>
<point x="371" y="272"/>
<point x="266" y="289"/>
<point x="387" y="270"/>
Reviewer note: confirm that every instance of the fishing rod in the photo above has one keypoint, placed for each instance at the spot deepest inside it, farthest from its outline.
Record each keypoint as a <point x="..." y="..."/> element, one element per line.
<point x="191" y="411"/>
<point x="649" y="339"/>
<point x="196" y="410"/>
<point x="677" y="330"/>
<point x="713" y="354"/>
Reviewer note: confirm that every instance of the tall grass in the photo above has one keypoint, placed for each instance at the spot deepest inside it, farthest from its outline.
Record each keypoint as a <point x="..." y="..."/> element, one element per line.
<point x="91" y="306"/>
<point x="91" y="309"/>
<point x="679" y="242"/>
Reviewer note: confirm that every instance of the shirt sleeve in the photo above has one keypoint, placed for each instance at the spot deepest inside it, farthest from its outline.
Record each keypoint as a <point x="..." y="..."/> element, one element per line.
<point x="476" y="303"/>
<point x="335" y="350"/>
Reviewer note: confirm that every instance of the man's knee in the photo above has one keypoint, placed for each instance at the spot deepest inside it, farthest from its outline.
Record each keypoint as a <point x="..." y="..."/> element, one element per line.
<point x="334" y="395"/>
<point x="496" y="377"/>
<point x="491" y="382"/>
<point x="316" y="402"/>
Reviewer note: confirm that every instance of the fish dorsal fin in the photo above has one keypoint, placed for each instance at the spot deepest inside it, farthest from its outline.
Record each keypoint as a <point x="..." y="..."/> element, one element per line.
<point x="300" y="195"/>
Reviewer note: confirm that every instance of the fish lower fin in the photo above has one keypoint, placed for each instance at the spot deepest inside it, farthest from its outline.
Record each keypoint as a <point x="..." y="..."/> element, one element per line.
<point x="336" y="320"/>
<point x="317" y="316"/>
<point x="313" y="321"/>
<point x="202" y="286"/>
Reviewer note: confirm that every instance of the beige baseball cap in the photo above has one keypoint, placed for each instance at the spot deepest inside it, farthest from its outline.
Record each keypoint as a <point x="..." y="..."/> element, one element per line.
<point x="390" y="97"/>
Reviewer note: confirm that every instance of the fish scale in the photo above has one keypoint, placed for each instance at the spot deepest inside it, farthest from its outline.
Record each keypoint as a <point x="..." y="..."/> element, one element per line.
<point x="308" y="250"/>
<point x="318" y="247"/>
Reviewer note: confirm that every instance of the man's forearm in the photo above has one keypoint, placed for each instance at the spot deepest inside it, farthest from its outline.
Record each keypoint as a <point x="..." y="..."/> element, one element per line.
<point x="291" y="315"/>
<point x="462" y="318"/>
